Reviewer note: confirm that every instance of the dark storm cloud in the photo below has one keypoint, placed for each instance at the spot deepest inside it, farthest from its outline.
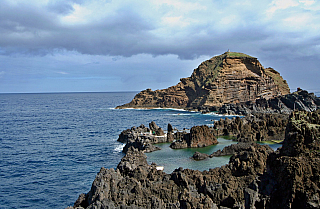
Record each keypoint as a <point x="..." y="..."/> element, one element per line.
<point x="136" y="45"/>
<point x="27" y="29"/>
<point x="126" y="31"/>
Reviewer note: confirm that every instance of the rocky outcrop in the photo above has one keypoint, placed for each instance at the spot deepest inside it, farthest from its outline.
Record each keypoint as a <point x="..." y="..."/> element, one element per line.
<point x="255" y="177"/>
<point x="224" y="79"/>
<point x="256" y="127"/>
<point x="199" y="156"/>
<point x="135" y="184"/>
<point x="154" y="134"/>
<point x="240" y="147"/>
<point x="199" y="136"/>
<point x="299" y="100"/>
<point x="143" y="138"/>
<point x="297" y="167"/>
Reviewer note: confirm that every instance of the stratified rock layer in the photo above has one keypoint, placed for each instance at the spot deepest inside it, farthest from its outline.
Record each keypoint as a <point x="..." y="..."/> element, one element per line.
<point x="228" y="78"/>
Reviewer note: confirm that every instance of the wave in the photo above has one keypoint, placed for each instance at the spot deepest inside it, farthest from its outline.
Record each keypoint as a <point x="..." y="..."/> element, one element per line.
<point x="119" y="147"/>
<point x="156" y="108"/>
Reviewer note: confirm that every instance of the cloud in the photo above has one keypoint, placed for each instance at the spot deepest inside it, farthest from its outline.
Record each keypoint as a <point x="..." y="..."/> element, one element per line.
<point x="67" y="36"/>
<point x="127" y="28"/>
<point x="63" y="73"/>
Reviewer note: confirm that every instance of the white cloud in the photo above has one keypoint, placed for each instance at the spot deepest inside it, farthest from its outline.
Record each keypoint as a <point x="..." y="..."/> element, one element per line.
<point x="281" y="5"/>
<point x="307" y="2"/>
<point x="80" y="15"/>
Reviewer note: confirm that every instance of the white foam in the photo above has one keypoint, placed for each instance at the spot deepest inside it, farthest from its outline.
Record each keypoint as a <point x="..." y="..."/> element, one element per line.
<point x="159" y="168"/>
<point x="119" y="148"/>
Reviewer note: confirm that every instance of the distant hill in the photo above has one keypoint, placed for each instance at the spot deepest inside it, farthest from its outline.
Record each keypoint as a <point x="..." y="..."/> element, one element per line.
<point x="225" y="79"/>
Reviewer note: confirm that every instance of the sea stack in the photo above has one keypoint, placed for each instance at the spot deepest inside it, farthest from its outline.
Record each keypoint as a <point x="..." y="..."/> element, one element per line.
<point x="225" y="79"/>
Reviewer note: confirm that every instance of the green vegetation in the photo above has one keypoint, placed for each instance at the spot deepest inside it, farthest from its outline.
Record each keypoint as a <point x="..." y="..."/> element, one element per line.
<point x="237" y="54"/>
<point x="214" y="66"/>
<point x="277" y="78"/>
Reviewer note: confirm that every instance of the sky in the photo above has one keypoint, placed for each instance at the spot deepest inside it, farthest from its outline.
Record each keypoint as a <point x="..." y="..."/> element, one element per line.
<point x="132" y="45"/>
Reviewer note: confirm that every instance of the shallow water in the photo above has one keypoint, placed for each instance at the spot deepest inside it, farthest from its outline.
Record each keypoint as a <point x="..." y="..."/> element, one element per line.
<point x="175" y="158"/>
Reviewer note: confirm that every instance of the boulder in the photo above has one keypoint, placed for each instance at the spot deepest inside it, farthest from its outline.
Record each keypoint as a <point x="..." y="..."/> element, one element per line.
<point x="199" y="136"/>
<point x="200" y="156"/>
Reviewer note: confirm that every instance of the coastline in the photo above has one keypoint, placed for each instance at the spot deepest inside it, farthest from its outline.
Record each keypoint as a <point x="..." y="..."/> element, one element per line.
<point x="137" y="184"/>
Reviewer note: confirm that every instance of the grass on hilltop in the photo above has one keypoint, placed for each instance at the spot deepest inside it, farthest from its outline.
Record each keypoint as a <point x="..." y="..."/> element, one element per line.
<point x="237" y="54"/>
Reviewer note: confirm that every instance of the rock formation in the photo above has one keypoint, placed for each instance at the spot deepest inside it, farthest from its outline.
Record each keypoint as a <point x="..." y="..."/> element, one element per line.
<point x="228" y="78"/>
<point x="241" y="146"/>
<point x="256" y="177"/>
<point x="143" y="138"/>
<point x="256" y="127"/>
<point x="199" y="136"/>
<point x="299" y="100"/>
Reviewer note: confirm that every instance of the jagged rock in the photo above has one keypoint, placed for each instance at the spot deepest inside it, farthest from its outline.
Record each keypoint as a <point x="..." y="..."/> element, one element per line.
<point x="199" y="136"/>
<point x="142" y="144"/>
<point x="142" y="138"/>
<point x="256" y="127"/>
<point x="302" y="133"/>
<point x="133" y="133"/>
<point x="299" y="100"/>
<point x="227" y="78"/>
<point x="256" y="177"/>
<point x="240" y="147"/>
<point x="155" y="129"/>
<point x="296" y="167"/>
<point x="170" y="133"/>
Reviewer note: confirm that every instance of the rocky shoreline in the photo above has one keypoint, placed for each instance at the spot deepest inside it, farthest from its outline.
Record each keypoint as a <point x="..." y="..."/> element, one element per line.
<point x="256" y="177"/>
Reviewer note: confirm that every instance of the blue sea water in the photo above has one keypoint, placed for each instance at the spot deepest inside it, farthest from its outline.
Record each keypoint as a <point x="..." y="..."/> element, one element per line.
<point x="52" y="145"/>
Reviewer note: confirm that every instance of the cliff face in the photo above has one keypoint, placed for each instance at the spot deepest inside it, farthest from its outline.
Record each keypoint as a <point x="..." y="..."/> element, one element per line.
<point x="227" y="78"/>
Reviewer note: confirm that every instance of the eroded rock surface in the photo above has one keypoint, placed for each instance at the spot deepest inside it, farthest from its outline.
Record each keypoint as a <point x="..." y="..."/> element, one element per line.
<point x="299" y="100"/>
<point x="256" y="127"/>
<point x="199" y="136"/>
<point x="255" y="177"/>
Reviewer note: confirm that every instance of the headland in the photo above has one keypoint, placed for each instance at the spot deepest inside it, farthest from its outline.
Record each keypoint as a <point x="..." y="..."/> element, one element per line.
<point x="256" y="175"/>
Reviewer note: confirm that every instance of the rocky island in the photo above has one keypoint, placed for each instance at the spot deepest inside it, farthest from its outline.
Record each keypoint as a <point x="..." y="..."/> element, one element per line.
<point x="229" y="78"/>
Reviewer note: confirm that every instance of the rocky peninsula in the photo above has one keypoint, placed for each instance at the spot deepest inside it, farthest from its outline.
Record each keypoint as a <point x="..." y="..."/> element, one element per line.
<point x="229" y="78"/>
<point x="256" y="177"/>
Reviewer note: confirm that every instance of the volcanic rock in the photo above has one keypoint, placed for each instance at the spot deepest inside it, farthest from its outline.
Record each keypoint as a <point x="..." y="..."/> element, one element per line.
<point x="256" y="177"/>
<point x="240" y="147"/>
<point x="199" y="136"/>
<point x="297" y="167"/>
<point x="199" y="156"/>
<point x="256" y="127"/>
<point x="299" y="100"/>
<point x="228" y="78"/>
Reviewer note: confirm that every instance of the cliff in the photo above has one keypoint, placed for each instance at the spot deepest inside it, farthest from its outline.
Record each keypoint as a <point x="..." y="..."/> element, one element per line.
<point x="228" y="78"/>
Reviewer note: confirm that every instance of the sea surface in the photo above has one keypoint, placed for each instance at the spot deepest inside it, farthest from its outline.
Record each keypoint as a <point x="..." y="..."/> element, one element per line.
<point x="52" y="145"/>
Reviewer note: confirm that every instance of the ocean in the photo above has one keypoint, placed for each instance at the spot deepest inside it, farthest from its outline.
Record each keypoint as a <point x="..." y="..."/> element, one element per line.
<point x="52" y="145"/>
